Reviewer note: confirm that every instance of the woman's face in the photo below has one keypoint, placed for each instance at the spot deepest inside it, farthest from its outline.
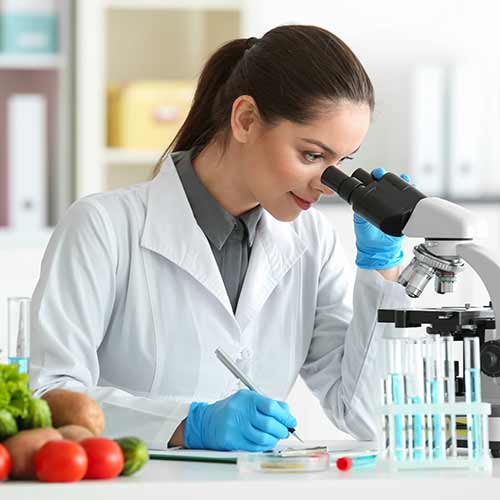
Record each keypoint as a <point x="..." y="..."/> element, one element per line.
<point x="282" y="165"/>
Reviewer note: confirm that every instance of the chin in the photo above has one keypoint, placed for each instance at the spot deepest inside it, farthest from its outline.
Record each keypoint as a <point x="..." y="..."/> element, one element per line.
<point x="284" y="216"/>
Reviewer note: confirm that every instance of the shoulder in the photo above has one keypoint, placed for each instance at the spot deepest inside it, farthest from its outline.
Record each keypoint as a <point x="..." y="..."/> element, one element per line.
<point x="111" y="211"/>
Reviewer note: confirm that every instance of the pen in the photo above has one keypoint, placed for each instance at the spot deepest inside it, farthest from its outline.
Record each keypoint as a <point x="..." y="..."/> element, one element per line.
<point x="226" y="361"/>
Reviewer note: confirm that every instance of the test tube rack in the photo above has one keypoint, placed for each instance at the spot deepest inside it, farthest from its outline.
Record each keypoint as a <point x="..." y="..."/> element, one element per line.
<point x="419" y="411"/>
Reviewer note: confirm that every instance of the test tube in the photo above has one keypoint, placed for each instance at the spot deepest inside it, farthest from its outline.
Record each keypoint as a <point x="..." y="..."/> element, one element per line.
<point x="449" y="389"/>
<point x="407" y="380"/>
<point x="472" y="375"/>
<point x="437" y="397"/>
<point x="18" y="318"/>
<point x="415" y="387"/>
<point x="384" y="435"/>
<point x="396" y="395"/>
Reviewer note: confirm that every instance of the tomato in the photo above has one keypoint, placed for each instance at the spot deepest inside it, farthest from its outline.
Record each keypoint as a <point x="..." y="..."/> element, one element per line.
<point x="105" y="458"/>
<point x="61" y="461"/>
<point x="5" y="462"/>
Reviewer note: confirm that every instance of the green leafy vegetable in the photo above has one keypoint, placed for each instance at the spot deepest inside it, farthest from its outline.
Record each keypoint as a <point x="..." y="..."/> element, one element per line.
<point x="38" y="415"/>
<point x="8" y="426"/>
<point x="15" y="396"/>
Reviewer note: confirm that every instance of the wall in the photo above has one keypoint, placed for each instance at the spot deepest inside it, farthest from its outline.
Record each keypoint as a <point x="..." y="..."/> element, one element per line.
<point x="391" y="38"/>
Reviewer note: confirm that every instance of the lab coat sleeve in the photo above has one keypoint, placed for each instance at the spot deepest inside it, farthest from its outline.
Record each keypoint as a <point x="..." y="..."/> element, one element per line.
<point x="71" y="307"/>
<point x="344" y="364"/>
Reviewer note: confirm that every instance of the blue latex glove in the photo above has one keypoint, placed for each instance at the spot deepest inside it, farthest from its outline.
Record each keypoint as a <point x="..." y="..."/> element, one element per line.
<point x="245" y="420"/>
<point x="377" y="250"/>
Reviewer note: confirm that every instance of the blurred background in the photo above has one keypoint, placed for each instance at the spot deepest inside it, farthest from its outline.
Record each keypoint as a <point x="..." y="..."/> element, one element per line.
<point x="92" y="91"/>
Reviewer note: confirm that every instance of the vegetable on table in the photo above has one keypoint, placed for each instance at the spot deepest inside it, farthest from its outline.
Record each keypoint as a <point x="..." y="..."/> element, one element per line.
<point x="8" y="425"/>
<point x="22" y="449"/>
<point x="38" y="416"/>
<point x="15" y="396"/>
<point x="75" y="408"/>
<point x="135" y="454"/>
<point x="61" y="461"/>
<point x="75" y="433"/>
<point x="5" y="463"/>
<point x="105" y="458"/>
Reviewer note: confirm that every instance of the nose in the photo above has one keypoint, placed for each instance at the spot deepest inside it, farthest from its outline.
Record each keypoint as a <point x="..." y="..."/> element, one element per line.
<point x="317" y="185"/>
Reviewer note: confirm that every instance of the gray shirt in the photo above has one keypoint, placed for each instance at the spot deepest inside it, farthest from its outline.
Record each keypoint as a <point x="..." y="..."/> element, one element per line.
<point x="231" y="238"/>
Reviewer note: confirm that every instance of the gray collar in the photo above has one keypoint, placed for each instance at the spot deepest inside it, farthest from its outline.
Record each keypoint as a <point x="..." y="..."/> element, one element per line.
<point x="215" y="221"/>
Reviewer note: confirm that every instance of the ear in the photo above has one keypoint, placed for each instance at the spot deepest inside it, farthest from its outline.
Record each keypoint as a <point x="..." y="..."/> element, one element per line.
<point x="244" y="118"/>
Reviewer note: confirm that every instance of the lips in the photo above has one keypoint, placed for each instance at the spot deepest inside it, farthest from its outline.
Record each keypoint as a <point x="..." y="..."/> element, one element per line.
<point x="303" y="204"/>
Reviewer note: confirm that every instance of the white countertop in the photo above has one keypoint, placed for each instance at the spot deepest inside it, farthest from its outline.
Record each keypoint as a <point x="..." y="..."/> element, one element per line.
<point x="191" y="480"/>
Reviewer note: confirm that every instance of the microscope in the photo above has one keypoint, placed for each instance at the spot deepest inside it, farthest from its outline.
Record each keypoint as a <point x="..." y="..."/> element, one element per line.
<point x="397" y="208"/>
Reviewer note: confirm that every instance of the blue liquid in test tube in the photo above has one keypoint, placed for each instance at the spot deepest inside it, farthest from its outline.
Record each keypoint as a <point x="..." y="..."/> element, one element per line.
<point x="23" y="364"/>
<point x="473" y="382"/>
<point x="398" y="398"/>
<point x="418" y="431"/>
<point x="437" y="443"/>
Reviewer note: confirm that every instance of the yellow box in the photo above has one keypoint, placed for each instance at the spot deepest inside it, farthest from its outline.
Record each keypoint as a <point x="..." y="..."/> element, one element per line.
<point x="147" y="114"/>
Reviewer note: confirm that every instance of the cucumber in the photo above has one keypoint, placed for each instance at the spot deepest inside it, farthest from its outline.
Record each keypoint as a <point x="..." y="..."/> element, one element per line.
<point x="135" y="454"/>
<point x="8" y="425"/>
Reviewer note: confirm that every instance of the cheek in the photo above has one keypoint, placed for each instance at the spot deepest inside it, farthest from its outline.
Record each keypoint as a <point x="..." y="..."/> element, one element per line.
<point x="281" y="168"/>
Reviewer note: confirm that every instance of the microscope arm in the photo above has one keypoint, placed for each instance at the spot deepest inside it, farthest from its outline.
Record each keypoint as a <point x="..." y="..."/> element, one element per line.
<point x="488" y="269"/>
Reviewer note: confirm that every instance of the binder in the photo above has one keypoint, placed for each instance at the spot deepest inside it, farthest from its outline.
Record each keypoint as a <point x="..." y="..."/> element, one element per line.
<point x="427" y="125"/>
<point x="27" y="168"/>
<point x="465" y="115"/>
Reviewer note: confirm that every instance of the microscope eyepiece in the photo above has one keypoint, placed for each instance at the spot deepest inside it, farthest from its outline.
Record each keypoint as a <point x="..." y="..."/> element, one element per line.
<point x="387" y="202"/>
<point x="341" y="183"/>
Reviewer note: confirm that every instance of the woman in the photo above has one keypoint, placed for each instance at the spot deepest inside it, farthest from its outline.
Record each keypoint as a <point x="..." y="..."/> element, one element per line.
<point x="139" y="286"/>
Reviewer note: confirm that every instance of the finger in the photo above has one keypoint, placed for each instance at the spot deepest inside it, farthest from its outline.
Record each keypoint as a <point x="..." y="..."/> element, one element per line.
<point x="405" y="177"/>
<point x="378" y="173"/>
<point x="270" y="425"/>
<point x="259" y="438"/>
<point x="284" y="405"/>
<point x="271" y="408"/>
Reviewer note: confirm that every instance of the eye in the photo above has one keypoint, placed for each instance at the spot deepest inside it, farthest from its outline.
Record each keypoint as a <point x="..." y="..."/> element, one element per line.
<point x="311" y="157"/>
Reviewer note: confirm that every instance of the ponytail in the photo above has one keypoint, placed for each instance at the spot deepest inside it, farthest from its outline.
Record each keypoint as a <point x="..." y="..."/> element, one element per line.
<point x="290" y="72"/>
<point x="201" y="124"/>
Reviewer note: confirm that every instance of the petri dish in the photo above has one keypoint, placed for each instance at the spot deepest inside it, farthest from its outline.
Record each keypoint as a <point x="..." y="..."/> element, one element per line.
<point x="274" y="462"/>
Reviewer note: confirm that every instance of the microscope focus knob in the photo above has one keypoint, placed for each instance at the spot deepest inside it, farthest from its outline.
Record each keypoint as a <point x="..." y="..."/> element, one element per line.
<point x="490" y="358"/>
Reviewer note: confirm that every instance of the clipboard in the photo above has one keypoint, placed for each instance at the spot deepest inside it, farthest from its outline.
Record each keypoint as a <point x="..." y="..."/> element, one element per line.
<point x="335" y="448"/>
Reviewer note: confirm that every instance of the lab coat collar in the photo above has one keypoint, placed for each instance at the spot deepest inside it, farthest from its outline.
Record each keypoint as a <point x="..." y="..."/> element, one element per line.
<point x="171" y="230"/>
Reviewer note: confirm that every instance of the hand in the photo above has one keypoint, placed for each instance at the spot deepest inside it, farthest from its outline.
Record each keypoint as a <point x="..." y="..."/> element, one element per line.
<point x="377" y="250"/>
<point x="243" y="421"/>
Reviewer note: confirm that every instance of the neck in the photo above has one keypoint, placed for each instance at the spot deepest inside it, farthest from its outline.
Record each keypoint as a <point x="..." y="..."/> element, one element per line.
<point x="220" y="173"/>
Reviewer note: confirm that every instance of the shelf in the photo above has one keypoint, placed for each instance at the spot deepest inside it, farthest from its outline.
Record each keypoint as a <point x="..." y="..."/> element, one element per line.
<point x="174" y="4"/>
<point x="30" y="62"/>
<point x="116" y="156"/>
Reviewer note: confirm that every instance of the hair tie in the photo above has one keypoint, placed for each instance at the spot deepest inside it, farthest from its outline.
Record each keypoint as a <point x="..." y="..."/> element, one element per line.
<point x="251" y="42"/>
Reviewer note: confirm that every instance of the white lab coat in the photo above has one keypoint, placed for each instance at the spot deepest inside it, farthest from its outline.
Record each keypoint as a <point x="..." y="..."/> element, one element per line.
<point x="130" y="306"/>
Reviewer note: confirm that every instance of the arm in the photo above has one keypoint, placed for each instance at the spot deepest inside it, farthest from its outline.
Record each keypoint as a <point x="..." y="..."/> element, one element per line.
<point x="390" y="274"/>
<point x="72" y="305"/>
<point x="343" y="365"/>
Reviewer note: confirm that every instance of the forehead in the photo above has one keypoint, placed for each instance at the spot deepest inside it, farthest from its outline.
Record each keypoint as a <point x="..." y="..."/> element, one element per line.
<point x="342" y="127"/>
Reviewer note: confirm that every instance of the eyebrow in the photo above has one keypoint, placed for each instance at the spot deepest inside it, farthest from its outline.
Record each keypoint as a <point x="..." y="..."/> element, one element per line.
<point x="325" y="147"/>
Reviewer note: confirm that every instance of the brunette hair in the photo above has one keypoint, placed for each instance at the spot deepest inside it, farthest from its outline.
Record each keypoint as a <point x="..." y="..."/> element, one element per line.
<point x="290" y="72"/>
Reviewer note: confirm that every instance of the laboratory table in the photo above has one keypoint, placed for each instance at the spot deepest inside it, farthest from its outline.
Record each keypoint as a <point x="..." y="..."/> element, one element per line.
<point x="191" y="480"/>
